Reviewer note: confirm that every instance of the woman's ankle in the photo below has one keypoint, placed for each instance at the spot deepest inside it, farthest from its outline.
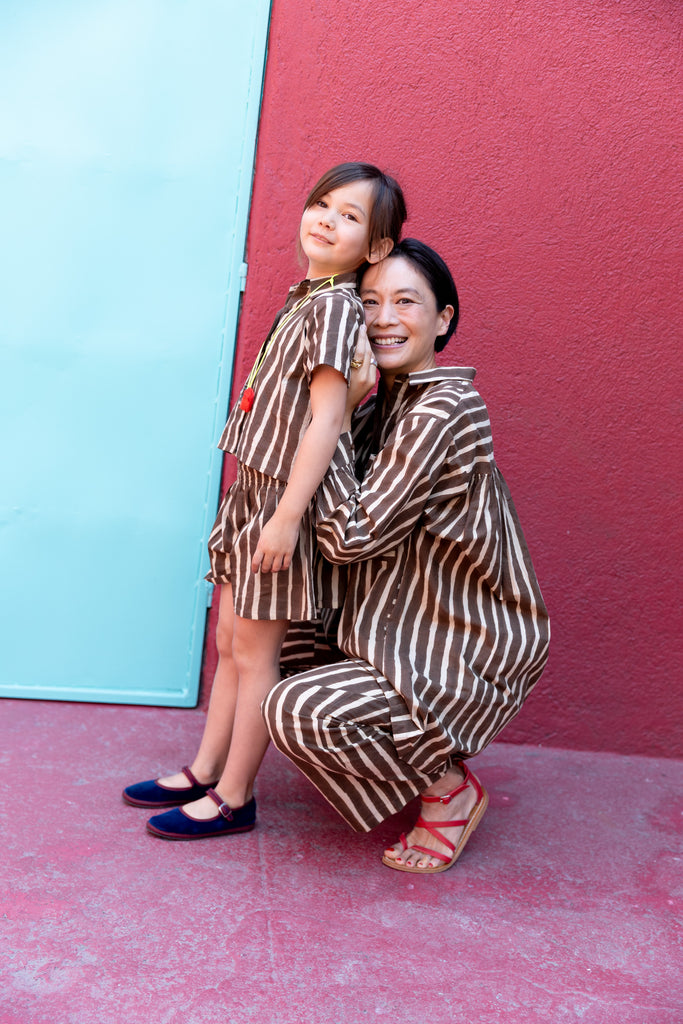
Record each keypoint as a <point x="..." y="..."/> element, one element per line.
<point x="453" y="777"/>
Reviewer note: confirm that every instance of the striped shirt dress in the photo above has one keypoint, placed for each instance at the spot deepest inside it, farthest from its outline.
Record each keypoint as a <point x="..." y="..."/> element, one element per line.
<point x="318" y="325"/>
<point x="443" y="625"/>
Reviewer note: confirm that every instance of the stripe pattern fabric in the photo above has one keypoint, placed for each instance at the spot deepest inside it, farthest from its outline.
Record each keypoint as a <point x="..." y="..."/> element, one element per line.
<point x="322" y="331"/>
<point x="245" y="509"/>
<point x="312" y="330"/>
<point x="443" y="607"/>
<point x="335" y="724"/>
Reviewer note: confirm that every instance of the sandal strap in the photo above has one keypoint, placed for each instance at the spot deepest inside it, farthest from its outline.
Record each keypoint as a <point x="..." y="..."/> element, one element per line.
<point x="447" y="797"/>
<point x="433" y="853"/>
<point x="470" y="779"/>
<point x="433" y="826"/>
<point x="421" y="823"/>
<point x="433" y="831"/>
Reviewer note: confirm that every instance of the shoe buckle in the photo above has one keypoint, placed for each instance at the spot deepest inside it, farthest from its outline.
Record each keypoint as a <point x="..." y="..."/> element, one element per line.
<point x="225" y="810"/>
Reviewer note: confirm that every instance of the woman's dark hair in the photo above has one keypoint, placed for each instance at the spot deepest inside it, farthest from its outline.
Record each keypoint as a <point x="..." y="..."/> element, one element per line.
<point x="388" y="211"/>
<point x="438" y="276"/>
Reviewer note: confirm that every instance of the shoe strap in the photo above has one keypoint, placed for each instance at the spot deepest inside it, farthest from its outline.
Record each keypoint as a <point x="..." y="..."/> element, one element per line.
<point x="430" y="826"/>
<point x="421" y="823"/>
<point x="434" y="853"/>
<point x="223" y="808"/>
<point x="470" y="778"/>
<point x="190" y="777"/>
<point x="433" y="831"/>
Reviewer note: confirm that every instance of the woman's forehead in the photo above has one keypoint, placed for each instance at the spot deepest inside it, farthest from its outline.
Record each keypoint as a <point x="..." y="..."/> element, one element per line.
<point x="394" y="274"/>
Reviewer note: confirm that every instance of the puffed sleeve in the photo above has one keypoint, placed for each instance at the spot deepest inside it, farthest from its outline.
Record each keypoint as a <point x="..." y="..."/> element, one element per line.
<point x="357" y="520"/>
<point x="331" y="330"/>
<point x="427" y="466"/>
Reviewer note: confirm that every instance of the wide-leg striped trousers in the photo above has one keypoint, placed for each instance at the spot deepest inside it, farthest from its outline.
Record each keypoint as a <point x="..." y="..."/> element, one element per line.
<point x="334" y="723"/>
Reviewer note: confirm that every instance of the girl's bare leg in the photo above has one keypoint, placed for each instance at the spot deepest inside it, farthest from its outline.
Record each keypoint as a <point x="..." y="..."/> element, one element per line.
<point x="210" y="759"/>
<point x="256" y="651"/>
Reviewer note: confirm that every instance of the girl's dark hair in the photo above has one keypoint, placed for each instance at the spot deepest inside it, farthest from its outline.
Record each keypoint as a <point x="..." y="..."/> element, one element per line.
<point x="388" y="211"/>
<point x="438" y="276"/>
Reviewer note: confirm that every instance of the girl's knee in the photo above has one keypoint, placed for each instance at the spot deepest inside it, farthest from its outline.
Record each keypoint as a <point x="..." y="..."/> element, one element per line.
<point x="256" y="645"/>
<point x="224" y="639"/>
<point x="226" y="622"/>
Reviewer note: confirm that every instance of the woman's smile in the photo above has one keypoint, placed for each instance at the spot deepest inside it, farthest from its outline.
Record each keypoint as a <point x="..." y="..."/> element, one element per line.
<point x="386" y="341"/>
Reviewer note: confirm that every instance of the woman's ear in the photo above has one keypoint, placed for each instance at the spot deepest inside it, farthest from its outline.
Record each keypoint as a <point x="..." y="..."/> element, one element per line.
<point x="445" y="317"/>
<point x="382" y="249"/>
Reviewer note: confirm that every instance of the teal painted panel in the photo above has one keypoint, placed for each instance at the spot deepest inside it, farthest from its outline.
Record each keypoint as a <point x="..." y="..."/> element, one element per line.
<point x="126" y="159"/>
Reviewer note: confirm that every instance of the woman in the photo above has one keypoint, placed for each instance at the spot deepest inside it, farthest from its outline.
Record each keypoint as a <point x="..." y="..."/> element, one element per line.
<point x="443" y="625"/>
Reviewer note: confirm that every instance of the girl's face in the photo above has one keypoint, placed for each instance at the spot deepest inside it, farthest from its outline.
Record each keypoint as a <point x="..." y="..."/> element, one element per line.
<point x="401" y="317"/>
<point x="334" y="231"/>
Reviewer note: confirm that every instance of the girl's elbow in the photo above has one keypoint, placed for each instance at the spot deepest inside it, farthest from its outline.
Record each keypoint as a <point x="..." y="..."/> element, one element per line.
<point x="327" y="423"/>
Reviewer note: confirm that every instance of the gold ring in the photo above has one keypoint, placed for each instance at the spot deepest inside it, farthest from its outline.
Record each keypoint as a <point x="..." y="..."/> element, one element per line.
<point x="356" y="364"/>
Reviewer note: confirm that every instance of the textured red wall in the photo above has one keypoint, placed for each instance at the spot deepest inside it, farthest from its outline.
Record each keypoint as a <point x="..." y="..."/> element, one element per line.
<point x="537" y="146"/>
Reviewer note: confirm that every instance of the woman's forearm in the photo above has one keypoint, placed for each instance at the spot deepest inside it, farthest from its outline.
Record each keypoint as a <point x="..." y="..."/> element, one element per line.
<point x="358" y="520"/>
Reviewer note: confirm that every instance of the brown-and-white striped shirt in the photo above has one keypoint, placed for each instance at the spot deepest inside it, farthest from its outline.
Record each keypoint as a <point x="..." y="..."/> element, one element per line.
<point x="323" y="331"/>
<point x="442" y="597"/>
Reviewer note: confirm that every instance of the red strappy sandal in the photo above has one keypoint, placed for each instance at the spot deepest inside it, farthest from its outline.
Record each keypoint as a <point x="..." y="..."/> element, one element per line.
<point x="476" y="814"/>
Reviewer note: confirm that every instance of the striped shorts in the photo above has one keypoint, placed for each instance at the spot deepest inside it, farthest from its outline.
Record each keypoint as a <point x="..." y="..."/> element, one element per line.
<point x="245" y="509"/>
<point x="334" y="724"/>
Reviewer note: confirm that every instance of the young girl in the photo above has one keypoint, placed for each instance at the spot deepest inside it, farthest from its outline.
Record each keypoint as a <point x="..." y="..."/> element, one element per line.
<point x="283" y="431"/>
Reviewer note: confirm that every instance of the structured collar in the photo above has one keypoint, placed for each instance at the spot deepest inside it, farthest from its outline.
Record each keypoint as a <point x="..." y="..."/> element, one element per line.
<point x="436" y="374"/>
<point x="311" y="284"/>
<point x="442" y="373"/>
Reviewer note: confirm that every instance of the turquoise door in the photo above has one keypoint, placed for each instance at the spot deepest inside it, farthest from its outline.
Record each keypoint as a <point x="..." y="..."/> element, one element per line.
<point x="127" y="140"/>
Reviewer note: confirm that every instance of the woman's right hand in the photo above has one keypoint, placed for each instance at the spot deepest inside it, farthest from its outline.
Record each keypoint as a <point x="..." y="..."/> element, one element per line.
<point x="363" y="377"/>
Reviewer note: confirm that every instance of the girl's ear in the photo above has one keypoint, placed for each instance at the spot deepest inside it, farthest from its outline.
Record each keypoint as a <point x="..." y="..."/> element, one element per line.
<point x="445" y="317"/>
<point x="382" y="249"/>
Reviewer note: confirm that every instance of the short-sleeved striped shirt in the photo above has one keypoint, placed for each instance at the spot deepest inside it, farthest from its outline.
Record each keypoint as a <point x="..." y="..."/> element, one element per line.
<point x="442" y="597"/>
<point x="323" y="331"/>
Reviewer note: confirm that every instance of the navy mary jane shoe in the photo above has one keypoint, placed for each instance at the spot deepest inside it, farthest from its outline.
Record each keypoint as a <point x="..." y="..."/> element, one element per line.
<point x="153" y="794"/>
<point x="177" y="824"/>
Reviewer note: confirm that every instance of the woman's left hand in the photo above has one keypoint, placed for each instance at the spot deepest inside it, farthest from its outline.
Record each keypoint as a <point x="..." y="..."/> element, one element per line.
<point x="363" y="376"/>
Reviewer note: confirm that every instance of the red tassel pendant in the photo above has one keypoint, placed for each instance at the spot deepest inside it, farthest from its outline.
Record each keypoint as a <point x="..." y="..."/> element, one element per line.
<point x="247" y="400"/>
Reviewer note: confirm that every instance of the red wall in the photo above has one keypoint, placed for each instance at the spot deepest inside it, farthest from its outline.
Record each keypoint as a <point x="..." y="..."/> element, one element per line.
<point x="536" y="143"/>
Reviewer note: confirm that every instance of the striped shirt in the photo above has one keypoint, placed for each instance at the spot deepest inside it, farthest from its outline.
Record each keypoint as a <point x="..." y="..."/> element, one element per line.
<point x="322" y="331"/>
<point x="442" y="600"/>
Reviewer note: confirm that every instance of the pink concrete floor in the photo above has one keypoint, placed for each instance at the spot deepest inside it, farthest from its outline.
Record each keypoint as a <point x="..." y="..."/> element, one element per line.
<point x="563" y="908"/>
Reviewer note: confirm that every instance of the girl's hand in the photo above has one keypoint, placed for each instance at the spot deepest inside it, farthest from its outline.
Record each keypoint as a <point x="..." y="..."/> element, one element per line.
<point x="276" y="545"/>
<point x="363" y="376"/>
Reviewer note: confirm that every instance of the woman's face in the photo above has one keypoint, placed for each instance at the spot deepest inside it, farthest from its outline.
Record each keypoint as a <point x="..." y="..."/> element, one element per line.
<point x="401" y="316"/>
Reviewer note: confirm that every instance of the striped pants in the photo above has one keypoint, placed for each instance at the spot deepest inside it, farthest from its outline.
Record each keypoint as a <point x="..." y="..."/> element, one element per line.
<point x="334" y="723"/>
